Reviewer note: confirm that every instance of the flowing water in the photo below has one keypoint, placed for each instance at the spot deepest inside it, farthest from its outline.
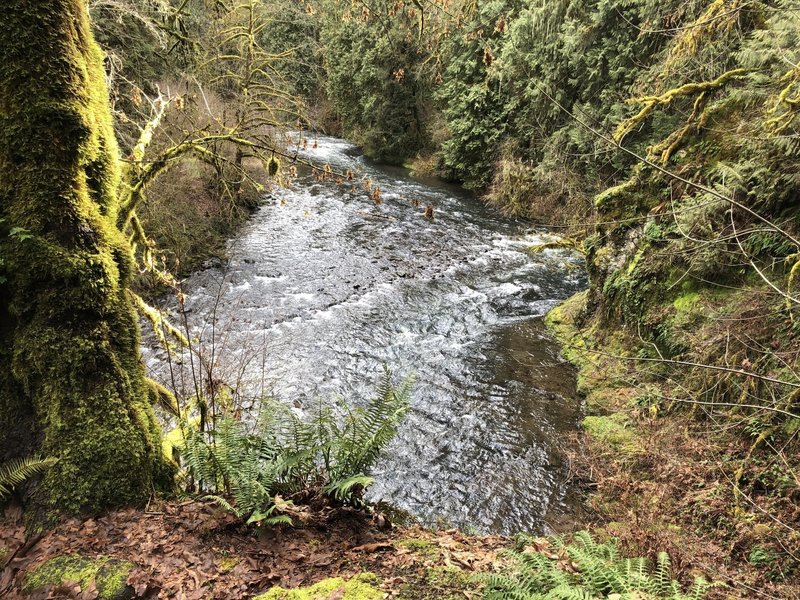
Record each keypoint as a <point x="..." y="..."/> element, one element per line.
<point x="324" y="287"/>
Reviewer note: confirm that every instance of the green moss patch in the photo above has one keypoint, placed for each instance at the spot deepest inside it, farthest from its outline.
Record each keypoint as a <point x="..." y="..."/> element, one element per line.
<point x="228" y="563"/>
<point x="438" y="583"/>
<point x="451" y="578"/>
<point x="426" y="548"/>
<point x="612" y="430"/>
<point x="360" y="587"/>
<point x="109" y="574"/>
<point x="599" y="375"/>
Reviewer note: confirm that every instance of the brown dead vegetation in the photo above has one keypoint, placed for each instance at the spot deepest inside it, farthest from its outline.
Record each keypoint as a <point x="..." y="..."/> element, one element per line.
<point x="193" y="550"/>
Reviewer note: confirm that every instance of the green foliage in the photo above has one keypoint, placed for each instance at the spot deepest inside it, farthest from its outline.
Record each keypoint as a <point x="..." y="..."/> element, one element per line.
<point x="475" y="104"/>
<point x="653" y="231"/>
<point x="231" y="462"/>
<point x="371" y="67"/>
<point x="291" y="34"/>
<point x="14" y="472"/>
<point x="585" y="570"/>
<point x="136" y="37"/>
<point x="337" y="453"/>
<point x="19" y="234"/>
<point x="510" y="67"/>
<point x="615" y="431"/>
<point x="288" y="454"/>
<point x="343" y="489"/>
<point x="768" y="244"/>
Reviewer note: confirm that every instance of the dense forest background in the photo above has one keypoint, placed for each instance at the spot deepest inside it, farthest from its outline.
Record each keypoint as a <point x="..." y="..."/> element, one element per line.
<point x="660" y="138"/>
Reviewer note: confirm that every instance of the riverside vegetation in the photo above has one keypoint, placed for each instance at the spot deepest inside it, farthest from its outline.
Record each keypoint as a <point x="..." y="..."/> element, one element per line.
<point x="661" y="138"/>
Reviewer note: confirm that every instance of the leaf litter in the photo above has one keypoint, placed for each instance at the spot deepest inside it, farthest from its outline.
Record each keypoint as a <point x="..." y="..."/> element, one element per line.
<point x="192" y="550"/>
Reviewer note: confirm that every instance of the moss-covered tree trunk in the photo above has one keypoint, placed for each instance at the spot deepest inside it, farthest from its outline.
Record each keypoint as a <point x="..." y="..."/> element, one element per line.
<point x="71" y="383"/>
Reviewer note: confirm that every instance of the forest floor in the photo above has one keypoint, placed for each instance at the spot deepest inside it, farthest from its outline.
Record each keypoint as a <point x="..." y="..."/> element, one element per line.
<point x="193" y="550"/>
<point x="655" y="480"/>
<point x="666" y="480"/>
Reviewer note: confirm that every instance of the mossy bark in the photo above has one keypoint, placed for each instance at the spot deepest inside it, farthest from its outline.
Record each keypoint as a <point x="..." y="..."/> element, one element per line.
<point x="71" y="382"/>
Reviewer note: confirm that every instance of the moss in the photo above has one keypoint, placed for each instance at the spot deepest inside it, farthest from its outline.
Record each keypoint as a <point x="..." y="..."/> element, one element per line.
<point x="73" y="368"/>
<point x="686" y="306"/>
<point x="612" y="194"/>
<point x="599" y="375"/>
<point x="360" y="587"/>
<point x="425" y="548"/>
<point x="562" y="321"/>
<point x="614" y="431"/>
<point x="448" y="577"/>
<point x="653" y="232"/>
<point x="637" y="258"/>
<point x="438" y="583"/>
<point x="791" y="427"/>
<point x="110" y="575"/>
<point x="228" y="563"/>
<point x="601" y="400"/>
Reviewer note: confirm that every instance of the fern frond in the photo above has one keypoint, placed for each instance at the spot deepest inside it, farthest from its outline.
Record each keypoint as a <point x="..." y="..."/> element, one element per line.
<point x="663" y="575"/>
<point x="17" y="470"/>
<point x="358" y="445"/>
<point x="222" y="502"/>
<point x="601" y="573"/>
<point x="344" y="489"/>
<point x="699" y="589"/>
<point x="270" y="521"/>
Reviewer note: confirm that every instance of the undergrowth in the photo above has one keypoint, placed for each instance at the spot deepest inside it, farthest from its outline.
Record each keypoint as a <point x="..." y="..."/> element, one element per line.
<point x="552" y="569"/>
<point x="328" y="453"/>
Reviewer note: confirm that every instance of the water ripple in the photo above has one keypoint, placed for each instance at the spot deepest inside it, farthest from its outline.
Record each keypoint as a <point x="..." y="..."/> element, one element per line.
<point x="324" y="287"/>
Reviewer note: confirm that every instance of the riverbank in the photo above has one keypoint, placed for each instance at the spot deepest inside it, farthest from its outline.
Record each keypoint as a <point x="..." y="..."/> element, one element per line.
<point x="193" y="550"/>
<point x="190" y="217"/>
<point x="662" y="479"/>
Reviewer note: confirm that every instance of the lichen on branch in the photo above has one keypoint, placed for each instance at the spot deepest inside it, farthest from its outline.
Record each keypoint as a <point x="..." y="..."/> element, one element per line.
<point x="651" y="103"/>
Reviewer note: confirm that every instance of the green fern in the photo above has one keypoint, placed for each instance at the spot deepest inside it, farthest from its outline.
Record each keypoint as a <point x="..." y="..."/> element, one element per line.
<point x="586" y="570"/>
<point x="368" y="430"/>
<point x="347" y="489"/>
<point x="245" y="472"/>
<point x="231" y="464"/>
<point x="17" y="470"/>
<point x="330" y="454"/>
<point x="269" y="518"/>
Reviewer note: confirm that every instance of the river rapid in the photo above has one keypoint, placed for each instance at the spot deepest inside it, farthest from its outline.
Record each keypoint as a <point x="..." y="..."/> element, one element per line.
<point x="324" y="287"/>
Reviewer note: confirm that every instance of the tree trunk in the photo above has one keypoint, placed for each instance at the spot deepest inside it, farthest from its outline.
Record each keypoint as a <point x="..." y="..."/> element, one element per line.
<point x="72" y="385"/>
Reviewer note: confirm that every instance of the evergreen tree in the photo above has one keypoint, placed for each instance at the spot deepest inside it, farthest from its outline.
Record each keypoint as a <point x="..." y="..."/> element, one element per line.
<point x="370" y="61"/>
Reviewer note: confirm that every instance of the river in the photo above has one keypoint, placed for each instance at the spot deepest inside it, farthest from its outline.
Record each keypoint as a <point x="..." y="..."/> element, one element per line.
<point x="324" y="287"/>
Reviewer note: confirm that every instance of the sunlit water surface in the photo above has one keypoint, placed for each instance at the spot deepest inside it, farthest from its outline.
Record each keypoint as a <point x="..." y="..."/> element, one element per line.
<point x="324" y="287"/>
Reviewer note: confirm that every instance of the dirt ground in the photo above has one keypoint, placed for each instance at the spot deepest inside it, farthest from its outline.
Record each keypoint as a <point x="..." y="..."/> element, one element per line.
<point x="191" y="550"/>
